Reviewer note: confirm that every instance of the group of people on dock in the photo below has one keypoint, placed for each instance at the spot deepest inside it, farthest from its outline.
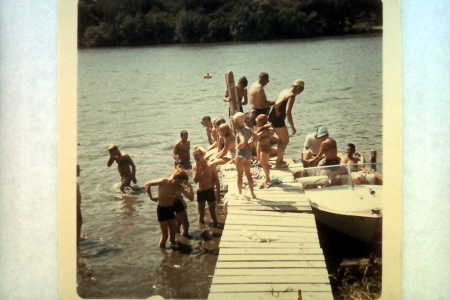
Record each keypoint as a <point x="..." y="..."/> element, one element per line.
<point x="246" y="140"/>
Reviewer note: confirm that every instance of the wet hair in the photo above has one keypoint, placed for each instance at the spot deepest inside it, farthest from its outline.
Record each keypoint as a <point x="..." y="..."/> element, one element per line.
<point x="207" y="118"/>
<point x="352" y="146"/>
<point x="243" y="81"/>
<point x="263" y="75"/>
<point x="180" y="174"/>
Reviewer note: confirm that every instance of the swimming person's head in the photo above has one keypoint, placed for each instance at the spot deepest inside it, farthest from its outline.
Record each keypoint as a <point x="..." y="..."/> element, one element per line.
<point x="184" y="135"/>
<point x="298" y="86"/>
<point x="243" y="82"/>
<point x="263" y="78"/>
<point x="114" y="150"/>
<point x="261" y="119"/>
<point x="238" y="120"/>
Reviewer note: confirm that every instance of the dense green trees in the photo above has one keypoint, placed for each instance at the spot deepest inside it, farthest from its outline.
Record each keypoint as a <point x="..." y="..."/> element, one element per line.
<point x="142" y="22"/>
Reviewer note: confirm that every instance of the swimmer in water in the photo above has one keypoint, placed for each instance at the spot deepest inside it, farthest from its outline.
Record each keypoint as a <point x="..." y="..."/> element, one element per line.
<point x="125" y="166"/>
<point x="181" y="152"/>
<point x="169" y="190"/>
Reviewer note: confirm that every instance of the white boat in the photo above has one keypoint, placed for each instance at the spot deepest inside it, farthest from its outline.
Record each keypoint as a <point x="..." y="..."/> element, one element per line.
<point x="352" y="209"/>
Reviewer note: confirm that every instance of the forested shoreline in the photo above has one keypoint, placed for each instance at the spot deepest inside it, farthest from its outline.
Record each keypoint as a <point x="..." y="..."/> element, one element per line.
<point x="108" y="23"/>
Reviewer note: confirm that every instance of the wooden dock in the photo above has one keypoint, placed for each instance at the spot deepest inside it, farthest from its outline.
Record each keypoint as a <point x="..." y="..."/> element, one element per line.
<point x="269" y="247"/>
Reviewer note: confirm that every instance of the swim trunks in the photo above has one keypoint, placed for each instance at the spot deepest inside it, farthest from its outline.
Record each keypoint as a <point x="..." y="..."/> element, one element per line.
<point x="332" y="162"/>
<point x="278" y="121"/>
<point x="184" y="164"/>
<point x="178" y="205"/>
<point x="247" y="151"/>
<point x="125" y="180"/>
<point x="206" y="195"/>
<point x="165" y="213"/>
<point x="258" y="111"/>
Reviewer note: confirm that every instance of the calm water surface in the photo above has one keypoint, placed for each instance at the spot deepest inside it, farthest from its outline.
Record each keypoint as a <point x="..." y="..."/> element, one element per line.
<point x="141" y="98"/>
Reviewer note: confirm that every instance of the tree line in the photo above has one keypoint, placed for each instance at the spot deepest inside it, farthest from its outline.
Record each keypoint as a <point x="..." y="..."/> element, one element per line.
<point x="105" y="23"/>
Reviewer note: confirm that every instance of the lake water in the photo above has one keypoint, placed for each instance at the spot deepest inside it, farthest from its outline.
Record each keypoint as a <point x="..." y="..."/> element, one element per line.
<point x="141" y="98"/>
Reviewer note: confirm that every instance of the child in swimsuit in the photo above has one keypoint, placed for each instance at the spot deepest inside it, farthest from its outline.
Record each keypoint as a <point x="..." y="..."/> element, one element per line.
<point x="125" y="166"/>
<point x="168" y="190"/>
<point x="243" y="151"/>
<point x="264" y="133"/>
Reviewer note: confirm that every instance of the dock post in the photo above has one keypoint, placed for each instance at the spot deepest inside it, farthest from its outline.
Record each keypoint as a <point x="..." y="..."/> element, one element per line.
<point x="373" y="159"/>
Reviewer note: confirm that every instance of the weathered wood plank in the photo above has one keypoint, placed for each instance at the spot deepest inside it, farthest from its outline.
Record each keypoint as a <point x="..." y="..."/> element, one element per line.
<point x="251" y="235"/>
<point x="270" y="264"/>
<point x="254" y="244"/>
<point x="252" y="251"/>
<point x="272" y="279"/>
<point x="274" y="272"/>
<point x="273" y="208"/>
<point x="271" y="257"/>
<point x="269" y="228"/>
<point x="271" y="296"/>
<point x="276" y="287"/>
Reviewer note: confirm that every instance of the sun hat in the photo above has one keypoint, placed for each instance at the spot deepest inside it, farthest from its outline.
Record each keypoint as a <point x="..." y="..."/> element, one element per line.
<point x="299" y="82"/>
<point x="321" y="131"/>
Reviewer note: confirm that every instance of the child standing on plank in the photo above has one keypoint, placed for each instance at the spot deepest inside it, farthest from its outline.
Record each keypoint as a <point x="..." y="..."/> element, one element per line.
<point x="264" y="133"/>
<point x="168" y="190"/>
<point x="243" y="151"/>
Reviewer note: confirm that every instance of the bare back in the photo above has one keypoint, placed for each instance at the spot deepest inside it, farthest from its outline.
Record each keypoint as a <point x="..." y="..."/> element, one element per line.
<point x="257" y="96"/>
<point x="329" y="148"/>
<point x="124" y="164"/>
<point x="167" y="192"/>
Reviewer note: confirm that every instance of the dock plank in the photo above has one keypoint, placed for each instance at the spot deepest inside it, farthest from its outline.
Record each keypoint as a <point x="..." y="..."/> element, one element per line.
<point x="270" y="264"/>
<point x="272" y="296"/>
<point x="252" y="251"/>
<point x="285" y="271"/>
<point x="269" y="287"/>
<point x="271" y="257"/>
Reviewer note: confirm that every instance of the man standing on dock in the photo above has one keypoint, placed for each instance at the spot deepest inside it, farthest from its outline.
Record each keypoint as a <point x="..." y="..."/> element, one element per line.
<point x="206" y="177"/>
<point x="257" y="97"/>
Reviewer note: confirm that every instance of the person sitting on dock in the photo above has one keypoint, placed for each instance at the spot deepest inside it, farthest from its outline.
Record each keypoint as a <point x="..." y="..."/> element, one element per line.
<point x="241" y="93"/>
<point x="207" y="178"/>
<point x="264" y="133"/>
<point x="243" y="151"/>
<point x="257" y="97"/>
<point x="206" y="122"/>
<point x="327" y="150"/>
<point x="181" y="152"/>
<point x="217" y="145"/>
<point x="281" y="110"/>
<point x="125" y="166"/>
<point x="227" y="152"/>
<point x="170" y="189"/>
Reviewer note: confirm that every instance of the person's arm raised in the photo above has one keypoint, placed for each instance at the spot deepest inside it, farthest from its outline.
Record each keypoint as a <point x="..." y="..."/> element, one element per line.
<point x="149" y="184"/>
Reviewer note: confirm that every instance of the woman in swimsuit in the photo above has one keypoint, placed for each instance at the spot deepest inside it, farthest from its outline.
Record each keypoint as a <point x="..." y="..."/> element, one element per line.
<point x="243" y="151"/>
<point x="280" y="110"/>
<point x="169" y="189"/>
